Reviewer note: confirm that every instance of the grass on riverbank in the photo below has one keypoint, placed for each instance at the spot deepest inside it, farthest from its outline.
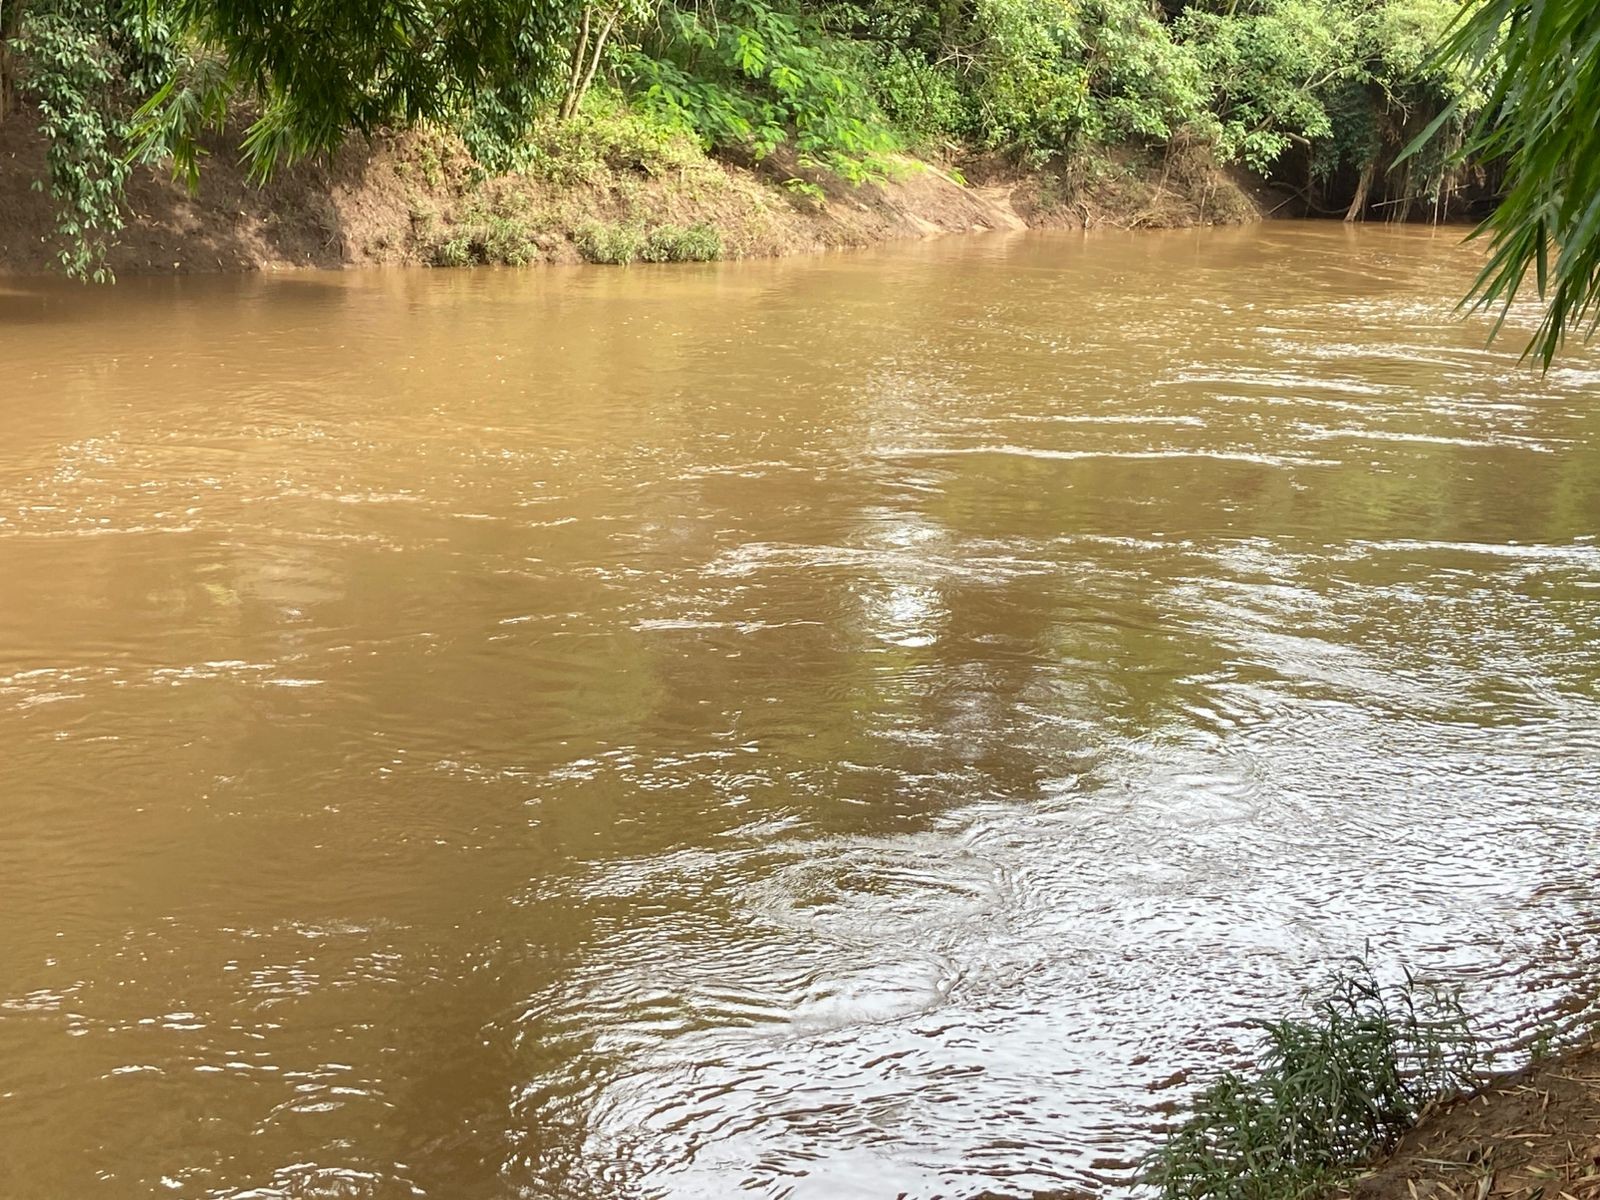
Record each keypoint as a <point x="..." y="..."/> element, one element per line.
<point x="1331" y="1091"/>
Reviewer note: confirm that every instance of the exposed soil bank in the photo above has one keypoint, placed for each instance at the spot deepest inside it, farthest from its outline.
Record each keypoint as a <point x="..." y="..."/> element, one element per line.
<point x="1533" y="1134"/>
<point x="415" y="199"/>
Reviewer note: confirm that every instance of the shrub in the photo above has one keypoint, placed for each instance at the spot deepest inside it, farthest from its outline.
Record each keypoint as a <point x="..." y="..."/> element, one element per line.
<point x="614" y="245"/>
<point x="619" y="245"/>
<point x="607" y="134"/>
<point x="489" y="236"/>
<point x="672" y="243"/>
<point x="750" y="77"/>
<point x="1330" y="1091"/>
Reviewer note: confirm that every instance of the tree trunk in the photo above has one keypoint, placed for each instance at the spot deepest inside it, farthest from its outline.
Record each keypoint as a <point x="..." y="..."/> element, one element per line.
<point x="10" y="21"/>
<point x="1358" y="206"/>
<point x="580" y="50"/>
<point x="594" y="62"/>
<point x="1401" y="213"/>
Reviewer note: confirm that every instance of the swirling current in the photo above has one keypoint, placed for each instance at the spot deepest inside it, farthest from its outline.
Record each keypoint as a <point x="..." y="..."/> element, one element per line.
<point x="869" y="726"/>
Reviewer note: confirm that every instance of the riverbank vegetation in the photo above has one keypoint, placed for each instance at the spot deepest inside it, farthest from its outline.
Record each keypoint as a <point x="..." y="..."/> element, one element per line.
<point x="1386" y="1093"/>
<point x="1319" y="96"/>
<point x="1330" y="1092"/>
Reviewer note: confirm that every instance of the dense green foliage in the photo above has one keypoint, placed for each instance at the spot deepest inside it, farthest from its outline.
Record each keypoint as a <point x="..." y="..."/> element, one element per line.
<point x="753" y="77"/>
<point x="1351" y="82"/>
<point x="1541" y="61"/>
<point x="1330" y="1091"/>
<point x="315" y="71"/>
<point x="85" y="59"/>
<point x="1036" y="76"/>
<point x="1319" y="93"/>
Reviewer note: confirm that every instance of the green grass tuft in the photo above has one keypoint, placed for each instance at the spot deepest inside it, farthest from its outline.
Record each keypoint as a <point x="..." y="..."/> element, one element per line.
<point x="1330" y="1092"/>
<point x="619" y="245"/>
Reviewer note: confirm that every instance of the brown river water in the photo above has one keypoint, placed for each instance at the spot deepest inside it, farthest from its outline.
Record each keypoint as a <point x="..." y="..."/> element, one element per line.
<point x="861" y="726"/>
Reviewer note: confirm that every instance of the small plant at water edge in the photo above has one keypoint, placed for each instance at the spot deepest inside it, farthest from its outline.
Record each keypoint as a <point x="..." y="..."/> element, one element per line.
<point x="674" y="243"/>
<point x="491" y="231"/>
<point x="614" y="245"/>
<point x="1331" y="1091"/>
<point x="618" y="245"/>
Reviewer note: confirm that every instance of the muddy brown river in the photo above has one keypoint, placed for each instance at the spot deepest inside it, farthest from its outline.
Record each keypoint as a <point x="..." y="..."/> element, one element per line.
<point x="865" y="726"/>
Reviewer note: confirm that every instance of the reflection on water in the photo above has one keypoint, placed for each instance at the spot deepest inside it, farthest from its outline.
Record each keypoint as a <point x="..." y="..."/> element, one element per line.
<point x="862" y="726"/>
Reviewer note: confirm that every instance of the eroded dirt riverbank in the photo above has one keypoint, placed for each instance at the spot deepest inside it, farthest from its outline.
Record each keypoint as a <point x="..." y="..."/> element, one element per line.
<point x="1530" y="1135"/>
<point x="599" y="192"/>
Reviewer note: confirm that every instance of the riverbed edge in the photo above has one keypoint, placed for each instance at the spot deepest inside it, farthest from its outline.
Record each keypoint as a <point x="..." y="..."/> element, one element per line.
<point x="1525" y="1133"/>
<point x="597" y="194"/>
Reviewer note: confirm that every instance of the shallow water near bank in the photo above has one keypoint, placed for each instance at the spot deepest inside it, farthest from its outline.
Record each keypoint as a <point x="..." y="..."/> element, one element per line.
<point x="855" y="726"/>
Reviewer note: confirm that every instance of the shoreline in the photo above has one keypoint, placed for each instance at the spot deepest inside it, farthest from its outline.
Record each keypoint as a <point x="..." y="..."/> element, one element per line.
<point x="1529" y="1133"/>
<point x="599" y="190"/>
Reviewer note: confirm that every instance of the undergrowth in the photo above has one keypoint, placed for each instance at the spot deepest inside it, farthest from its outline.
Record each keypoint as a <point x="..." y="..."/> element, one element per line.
<point x="606" y="135"/>
<point x="618" y="245"/>
<point x="493" y="231"/>
<point x="1330" y="1091"/>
